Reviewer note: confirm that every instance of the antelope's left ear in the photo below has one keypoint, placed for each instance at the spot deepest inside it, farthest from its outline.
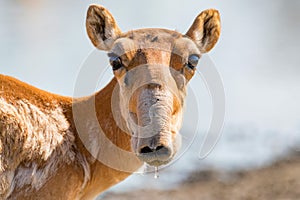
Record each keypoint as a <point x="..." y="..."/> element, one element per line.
<point x="205" y="30"/>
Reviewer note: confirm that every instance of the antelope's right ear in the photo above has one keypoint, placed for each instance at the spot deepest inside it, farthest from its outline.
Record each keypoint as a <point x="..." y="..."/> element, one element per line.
<point x="101" y="27"/>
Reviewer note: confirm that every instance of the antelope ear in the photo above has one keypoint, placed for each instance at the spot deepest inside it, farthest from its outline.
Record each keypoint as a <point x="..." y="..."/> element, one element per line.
<point x="101" y="27"/>
<point x="205" y="30"/>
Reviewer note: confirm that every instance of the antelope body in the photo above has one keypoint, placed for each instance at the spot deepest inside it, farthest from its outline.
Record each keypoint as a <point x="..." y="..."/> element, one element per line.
<point x="51" y="146"/>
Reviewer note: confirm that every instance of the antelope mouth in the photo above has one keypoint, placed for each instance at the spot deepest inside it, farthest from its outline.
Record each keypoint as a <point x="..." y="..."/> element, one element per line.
<point x="157" y="163"/>
<point x="154" y="161"/>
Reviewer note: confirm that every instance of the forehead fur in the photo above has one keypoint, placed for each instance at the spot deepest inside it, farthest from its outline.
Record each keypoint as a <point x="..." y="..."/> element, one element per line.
<point x="153" y="38"/>
<point x="142" y="39"/>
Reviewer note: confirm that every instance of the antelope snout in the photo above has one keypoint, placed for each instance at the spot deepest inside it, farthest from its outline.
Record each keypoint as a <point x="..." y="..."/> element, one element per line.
<point x="155" y="155"/>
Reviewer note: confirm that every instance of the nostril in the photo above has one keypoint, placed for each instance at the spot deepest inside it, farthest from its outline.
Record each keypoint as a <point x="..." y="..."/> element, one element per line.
<point x="159" y="148"/>
<point x="146" y="150"/>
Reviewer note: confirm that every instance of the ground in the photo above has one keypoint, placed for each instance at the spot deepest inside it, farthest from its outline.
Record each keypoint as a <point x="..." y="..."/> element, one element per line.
<point x="279" y="181"/>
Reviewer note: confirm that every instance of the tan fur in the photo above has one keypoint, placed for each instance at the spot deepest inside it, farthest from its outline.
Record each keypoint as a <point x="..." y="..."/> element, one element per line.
<point x="42" y="155"/>
<point x="32" y="164"/>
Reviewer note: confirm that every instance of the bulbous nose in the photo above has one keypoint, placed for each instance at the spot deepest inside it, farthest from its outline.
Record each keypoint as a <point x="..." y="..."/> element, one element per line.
<point x="155" y="156"/>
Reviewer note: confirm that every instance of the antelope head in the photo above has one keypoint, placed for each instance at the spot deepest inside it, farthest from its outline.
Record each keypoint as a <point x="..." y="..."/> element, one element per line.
<point x="152" y="68"/>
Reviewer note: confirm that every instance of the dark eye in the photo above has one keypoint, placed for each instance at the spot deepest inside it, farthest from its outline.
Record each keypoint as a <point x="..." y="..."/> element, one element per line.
<point x="115" y="62"/>
<point x="193" y="61"/>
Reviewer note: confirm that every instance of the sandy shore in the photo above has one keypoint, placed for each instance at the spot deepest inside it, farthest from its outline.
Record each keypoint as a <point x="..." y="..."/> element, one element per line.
<point x="280" y="181"/>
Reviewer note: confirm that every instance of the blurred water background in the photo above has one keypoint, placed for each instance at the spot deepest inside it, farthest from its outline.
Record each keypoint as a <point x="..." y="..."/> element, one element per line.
<point x="44" y="43"/>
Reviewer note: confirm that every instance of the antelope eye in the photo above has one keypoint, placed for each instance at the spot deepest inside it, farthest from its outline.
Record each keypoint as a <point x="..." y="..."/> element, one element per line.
<point x="115" y="62"/>
<point x="193" y="61"/>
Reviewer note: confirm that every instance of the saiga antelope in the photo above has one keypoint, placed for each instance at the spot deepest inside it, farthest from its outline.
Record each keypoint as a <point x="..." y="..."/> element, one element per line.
<point x="42" y="155"/>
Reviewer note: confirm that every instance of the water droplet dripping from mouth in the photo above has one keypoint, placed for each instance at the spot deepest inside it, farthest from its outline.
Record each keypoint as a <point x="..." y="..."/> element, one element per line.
<point x="156" y="174"/>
